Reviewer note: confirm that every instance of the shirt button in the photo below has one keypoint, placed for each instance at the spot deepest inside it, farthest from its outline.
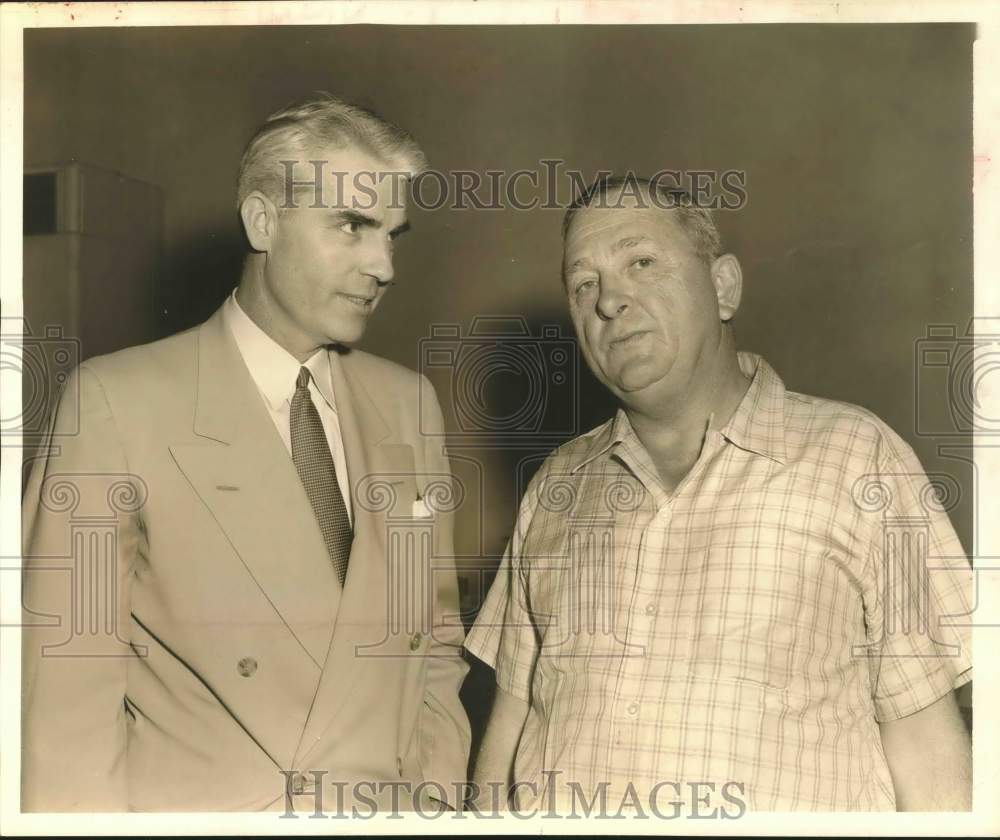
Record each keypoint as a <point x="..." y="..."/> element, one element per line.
<point x="247" y="666"/>
<point x="298" y="784"/>
<point x="650" y="609"/>
<point x="415" y="641"/>
<point x="633" y="708"/>
<point x="399" y="766"/>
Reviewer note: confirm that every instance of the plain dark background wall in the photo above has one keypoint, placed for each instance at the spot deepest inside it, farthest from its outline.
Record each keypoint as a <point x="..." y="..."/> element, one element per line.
<point x="856" y="141"/>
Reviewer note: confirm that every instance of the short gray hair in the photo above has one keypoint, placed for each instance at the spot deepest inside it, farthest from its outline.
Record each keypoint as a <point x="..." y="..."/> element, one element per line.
<point x="695" y="221"/>
<point x="319" y="122"/>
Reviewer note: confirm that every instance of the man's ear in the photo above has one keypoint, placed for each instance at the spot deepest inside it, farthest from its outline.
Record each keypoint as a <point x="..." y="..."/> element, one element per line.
<point x="727" y="276"/>
<point x="260" y="220"/>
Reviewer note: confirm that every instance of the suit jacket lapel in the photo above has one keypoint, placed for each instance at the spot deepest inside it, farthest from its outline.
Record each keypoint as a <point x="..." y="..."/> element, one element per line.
<point x="367" y="444"/>
<point x="242" y="472"/>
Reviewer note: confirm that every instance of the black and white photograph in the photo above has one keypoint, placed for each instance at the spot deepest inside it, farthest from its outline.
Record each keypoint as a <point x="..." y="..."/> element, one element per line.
<point x="474" y="416"/>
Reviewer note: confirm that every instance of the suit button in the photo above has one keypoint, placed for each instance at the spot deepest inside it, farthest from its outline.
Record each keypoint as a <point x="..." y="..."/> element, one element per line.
<point x="247" y="666"/>
<point x="399" y="766"/>
<point x="415" y="641"/>
<point x="298" y="784"/>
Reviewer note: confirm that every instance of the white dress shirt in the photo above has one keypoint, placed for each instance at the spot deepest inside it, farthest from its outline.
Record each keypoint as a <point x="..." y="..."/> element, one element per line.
<point x="275" y="370"/>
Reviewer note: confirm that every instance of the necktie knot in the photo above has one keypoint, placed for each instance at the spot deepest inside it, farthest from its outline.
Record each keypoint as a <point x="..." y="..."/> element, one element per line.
<point x="302" y="380"/>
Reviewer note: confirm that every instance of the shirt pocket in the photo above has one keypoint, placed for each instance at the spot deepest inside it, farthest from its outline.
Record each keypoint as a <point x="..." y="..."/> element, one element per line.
<point x="746" y="613"/>
<point x="581" y="604"/>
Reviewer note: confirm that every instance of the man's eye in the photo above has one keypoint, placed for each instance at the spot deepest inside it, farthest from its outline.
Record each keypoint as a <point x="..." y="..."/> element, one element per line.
<point x="351" y="227"/>
<point x="585" y="285"/>
<point x="643" y="262"/>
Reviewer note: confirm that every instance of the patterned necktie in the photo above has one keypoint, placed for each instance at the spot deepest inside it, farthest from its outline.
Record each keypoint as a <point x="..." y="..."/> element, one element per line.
<point x="314" y="463"/>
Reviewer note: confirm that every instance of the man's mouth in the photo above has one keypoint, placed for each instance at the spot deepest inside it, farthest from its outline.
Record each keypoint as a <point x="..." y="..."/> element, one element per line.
<point x="360" y="301"/>
<point x="627" y="340"/>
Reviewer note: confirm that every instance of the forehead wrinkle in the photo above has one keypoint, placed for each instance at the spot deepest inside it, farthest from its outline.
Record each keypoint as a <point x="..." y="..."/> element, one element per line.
<point x="629" y="242"/>
<point x="586" y="230"/>
<point x="353" y="178"/>
<point x="659" y="223"/>
<point x="582" y="228"/>
<point x="621" y="245"/>
<point x="591" y="220"/>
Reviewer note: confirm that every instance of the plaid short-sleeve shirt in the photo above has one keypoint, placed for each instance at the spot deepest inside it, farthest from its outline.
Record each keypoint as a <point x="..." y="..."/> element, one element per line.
<point x="802" y="583"/>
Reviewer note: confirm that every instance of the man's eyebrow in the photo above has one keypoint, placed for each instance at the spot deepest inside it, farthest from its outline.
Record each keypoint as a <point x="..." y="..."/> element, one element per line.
<point x="620" y="245"/>
<point x="344" y="216"/>
<point x="399" y="230"/>
<point x="583" y="262"/>
<point x="356" y="217"/>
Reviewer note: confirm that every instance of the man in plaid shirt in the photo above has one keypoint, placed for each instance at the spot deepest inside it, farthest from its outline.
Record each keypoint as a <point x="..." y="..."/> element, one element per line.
<point x="728" y="584"/>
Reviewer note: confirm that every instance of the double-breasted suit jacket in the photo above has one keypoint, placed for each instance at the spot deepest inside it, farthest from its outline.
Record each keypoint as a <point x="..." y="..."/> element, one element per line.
<point x="188" y="645"/>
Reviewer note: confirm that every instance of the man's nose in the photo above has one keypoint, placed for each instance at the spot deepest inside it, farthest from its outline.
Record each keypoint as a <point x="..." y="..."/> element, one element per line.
<point x="378" y="262"/>
<point x="614" y="299"/>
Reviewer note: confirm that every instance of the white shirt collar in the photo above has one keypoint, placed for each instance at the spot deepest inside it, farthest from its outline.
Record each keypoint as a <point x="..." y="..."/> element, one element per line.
<point x="272" y="367"/>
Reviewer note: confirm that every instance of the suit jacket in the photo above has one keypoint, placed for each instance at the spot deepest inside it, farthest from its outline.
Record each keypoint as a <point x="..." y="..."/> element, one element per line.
<point x="187" y="643"/>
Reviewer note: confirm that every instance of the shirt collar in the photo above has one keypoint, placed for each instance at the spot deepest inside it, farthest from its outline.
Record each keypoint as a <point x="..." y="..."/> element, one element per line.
<point x="757" y="425"/>
<point x="272" y="367"/>
<point x="609" y="436"/>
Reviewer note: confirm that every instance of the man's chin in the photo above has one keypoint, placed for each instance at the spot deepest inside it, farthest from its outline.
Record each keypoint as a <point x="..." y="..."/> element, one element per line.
<point x="347" y="334"/>
<point x="637" y="377"/>
<point x="344" y="342"/>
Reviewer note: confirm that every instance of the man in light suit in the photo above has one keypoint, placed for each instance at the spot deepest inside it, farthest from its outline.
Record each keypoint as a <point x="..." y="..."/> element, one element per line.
<point x="233" y="641"/>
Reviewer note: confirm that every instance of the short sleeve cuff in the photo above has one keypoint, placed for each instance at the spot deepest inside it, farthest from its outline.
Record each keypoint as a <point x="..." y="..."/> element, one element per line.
<point x="482" y="644"/>
<point x="935" y="686"/>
